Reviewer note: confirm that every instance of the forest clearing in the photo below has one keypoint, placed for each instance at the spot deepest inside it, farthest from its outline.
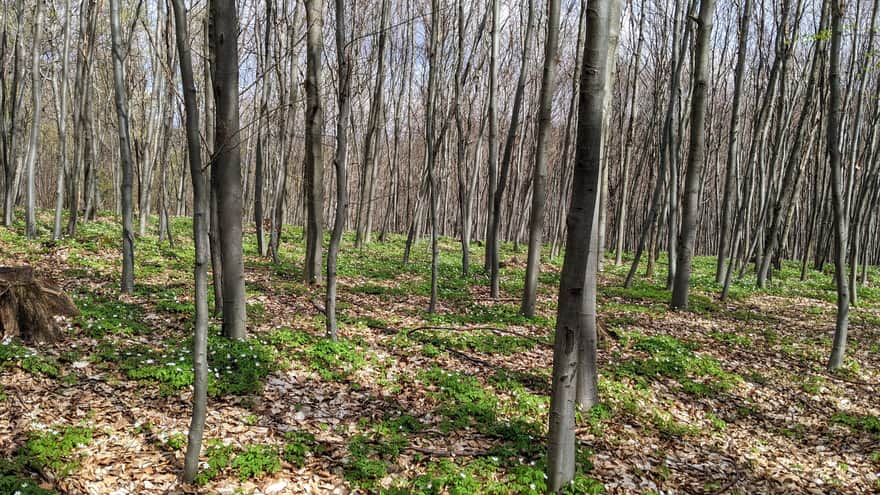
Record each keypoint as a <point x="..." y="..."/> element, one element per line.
<point x="723" y="398"/>
<point x="439" y="247"/>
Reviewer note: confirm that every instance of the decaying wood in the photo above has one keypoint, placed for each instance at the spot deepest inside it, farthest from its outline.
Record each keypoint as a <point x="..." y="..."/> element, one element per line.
<point x="29" y="305"/>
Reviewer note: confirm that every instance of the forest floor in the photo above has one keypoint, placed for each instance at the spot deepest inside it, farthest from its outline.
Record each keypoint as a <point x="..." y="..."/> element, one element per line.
<point x="724" y="398"/>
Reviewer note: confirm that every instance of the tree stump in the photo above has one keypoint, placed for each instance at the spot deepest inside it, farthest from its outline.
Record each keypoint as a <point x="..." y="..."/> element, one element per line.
<point x="29" y="305"/>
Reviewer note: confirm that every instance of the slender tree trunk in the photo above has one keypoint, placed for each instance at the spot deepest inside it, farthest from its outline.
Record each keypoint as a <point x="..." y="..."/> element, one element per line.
<point x="838" y="350"/>
<point x="37" y="89"/>
<point x="201" y="197"/>
<point x="339" y="161"/>
<point x="623" y="197"/>
<point x="125" y="151"/>
<point x="539" y="179"/>
<point x="571" y="324"/>
<point x="226" y="173"/>
<point x="696" y="156"/>
<point x="507" y="156"/>
<point x="314" y="160"/>
<point x="491" y="256"/>
<point x="368" y="171"/>
<point x="62" y="124"/>
<point x="733" y="144"/>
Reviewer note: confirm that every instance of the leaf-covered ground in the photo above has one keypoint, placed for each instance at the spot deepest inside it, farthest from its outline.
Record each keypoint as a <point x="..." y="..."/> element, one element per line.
<point x="725" y="398"/>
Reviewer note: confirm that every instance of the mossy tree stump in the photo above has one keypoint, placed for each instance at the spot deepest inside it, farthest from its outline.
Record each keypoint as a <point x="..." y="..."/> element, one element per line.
<point x="30" y="305"/>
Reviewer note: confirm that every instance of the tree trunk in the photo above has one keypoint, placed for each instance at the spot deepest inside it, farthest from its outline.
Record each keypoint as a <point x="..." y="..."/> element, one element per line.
<point x="124" y="150"/>
<point x="571" y="320"/>
<point x="539" y="179"/>
<point x="696" y="157"/>
<point x="226" y="173"/>
<point x="339" y="162"/>
<point x="840" y="221"/>
<point x="314" y="158"/>
<point x="201" y="196"/>
<point x="733" y="144"/>
<point x="37" y="89"/>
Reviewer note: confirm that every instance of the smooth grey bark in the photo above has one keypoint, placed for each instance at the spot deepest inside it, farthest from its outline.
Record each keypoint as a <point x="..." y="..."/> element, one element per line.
<point x="791" y="176"/>
<point x="696" y="156"/>
<point x="82" y="116"/>
<point x="34" y="141"/>
<point x="343" y="99"/>
<point x="201" y="196"/>
<point x="613" y="38"/>
<point x="61" y="97"/>
<point x="667" y="156"/>
<point x="258" y="173"/>
<point x="363" y="221"/>
<point x="432" y="143"/>
<point x="539" y="177"/>
<point x="507" y="155"/>
<point x="491" y="251"/>
<point x="733" y="145"/>
<point x="226" y="163"/>
<point x="834" y="157"/>
<point x="314" y="154"/>
<point x="10" y="162"/>
<point x="857" y="214"/>
<point x="124" y="150"/>
<point x="623" y="197"/>
<point x="577" y="270"/>
<point x="214" y="224"/>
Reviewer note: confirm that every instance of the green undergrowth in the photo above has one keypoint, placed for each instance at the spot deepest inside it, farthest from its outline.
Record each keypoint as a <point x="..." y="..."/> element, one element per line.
<point x="256" y="460"/>
<point x="56" y="450"/>
<point x="857" y="422"/>
<point x="102" y="315"/>
<point x="479" y="340"/>
<point x="664" y="356"/>
<point x="14" y="353"/>
<point x="332" y="360"/>
<point x="236" y="367"/>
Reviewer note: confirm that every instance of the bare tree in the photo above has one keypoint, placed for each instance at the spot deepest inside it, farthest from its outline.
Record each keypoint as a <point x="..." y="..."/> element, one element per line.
<point x="576" y="269"/>
<point x="696" y="156"/>
<point x="125" y="151"/>
<point x="201" y="196"/>
<point x="539" y="178"/>
<point x="838" y="7"/>
<point x="314" y="160"/>
<point x="343" y="98"/>
<point x="37" y="90"/>
<point x="226" y="163"/>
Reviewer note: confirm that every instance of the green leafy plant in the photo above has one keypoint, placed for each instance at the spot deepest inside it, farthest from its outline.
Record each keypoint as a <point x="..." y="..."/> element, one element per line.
<point x="257" y="460"/>
<point x="54" y="449"/>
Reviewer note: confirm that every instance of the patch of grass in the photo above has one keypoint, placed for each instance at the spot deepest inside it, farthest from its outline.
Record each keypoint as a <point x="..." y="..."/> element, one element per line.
<point x="256" y="461"/>
<point x="465" y="403"/>
<point x="493" y="476"/>
<point x="13" y="353"/>
<point x="236" y="367"/>
<point x="218" y="458"/>
<point x="669" y="357"/>
<point x="299" y="445"/>
<point x="54" y="450"/>
<point x="717" y="423"/>
<point x="332" y="360"/>
<point x="176" y="441"/>
<point x="864" y="423"/>
<point x="731" y="338"/>
<point x="480" y="314"/>
<point x="366" y="464"/>
<point x="813" y="385"/>
<point x="102" y="315"/>
<point x="484" y="341"/>
<point x="13" y="484"/>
